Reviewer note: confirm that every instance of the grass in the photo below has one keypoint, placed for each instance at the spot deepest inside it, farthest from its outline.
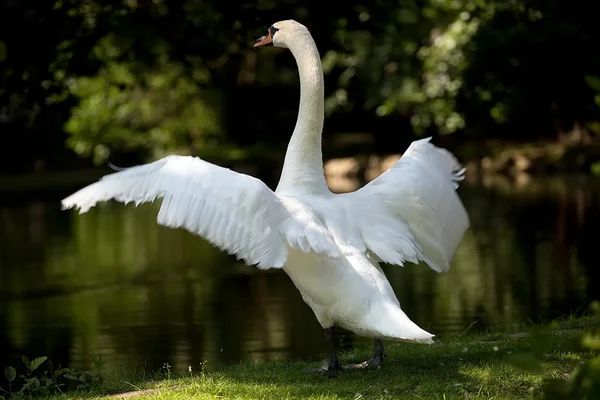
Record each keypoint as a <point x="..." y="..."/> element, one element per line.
<point x="490" y="366"/>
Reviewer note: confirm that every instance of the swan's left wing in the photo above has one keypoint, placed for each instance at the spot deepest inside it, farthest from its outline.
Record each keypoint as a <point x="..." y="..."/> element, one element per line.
<point x="411" y="212"/>
<point x="235" y="212"/>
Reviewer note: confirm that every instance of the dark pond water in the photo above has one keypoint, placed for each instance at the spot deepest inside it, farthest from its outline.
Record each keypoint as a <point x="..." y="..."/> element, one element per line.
<point x="113" y="283"/>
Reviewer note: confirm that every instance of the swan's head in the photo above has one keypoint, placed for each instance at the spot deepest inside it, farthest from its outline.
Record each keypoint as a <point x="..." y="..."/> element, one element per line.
<point x="282" y="34"/>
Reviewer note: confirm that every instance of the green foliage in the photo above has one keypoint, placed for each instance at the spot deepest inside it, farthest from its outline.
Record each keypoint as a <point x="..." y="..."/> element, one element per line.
<point x="143" y="77"/>
<point x="443" y="63"/>
<point x="134" y="106"/>
<point x="483" y="66"/>
<point x="593" y="82"/>
<point x="584" y="383"/>
<point x="48" y="381"/>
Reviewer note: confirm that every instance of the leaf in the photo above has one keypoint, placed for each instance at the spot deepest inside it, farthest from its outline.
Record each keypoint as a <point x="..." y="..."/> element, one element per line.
<point x="98" y="363"/>
<point x="34" y="382"/>
<point x="593" y="82"/>
<point x="10" y="373"/>
<point x="3" y="390"/>
<point x="61" y="371"/>
<point x="25" y="361"/>
<point x="36" y="362"/>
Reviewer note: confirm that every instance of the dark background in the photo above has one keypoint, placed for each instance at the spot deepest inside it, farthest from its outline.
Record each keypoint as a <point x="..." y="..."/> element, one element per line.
<point x="83" y="82"/>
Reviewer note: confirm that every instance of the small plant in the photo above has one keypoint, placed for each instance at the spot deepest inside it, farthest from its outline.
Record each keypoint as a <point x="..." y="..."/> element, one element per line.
<point x="203" y="367"/>
<point x="167" y="368"/>
<point x="35" y="382"/>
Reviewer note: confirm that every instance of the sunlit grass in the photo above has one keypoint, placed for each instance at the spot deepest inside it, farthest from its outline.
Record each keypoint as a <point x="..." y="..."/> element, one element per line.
<point x="491" y="366"/>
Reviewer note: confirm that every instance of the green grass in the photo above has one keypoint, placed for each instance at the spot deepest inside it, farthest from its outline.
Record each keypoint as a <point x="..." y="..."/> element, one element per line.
<point x="491" y="366"/>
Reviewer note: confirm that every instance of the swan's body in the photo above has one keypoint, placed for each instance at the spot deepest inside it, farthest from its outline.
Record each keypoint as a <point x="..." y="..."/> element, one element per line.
<point x="329" y="244"/>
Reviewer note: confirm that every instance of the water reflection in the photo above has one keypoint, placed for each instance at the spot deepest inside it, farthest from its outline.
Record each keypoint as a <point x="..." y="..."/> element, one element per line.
<point x="114" y="283"/>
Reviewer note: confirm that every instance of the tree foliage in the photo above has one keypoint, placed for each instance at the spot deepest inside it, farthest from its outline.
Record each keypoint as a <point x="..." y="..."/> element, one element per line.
<point x="148" y="77"/>
<point x="154" y="107"/>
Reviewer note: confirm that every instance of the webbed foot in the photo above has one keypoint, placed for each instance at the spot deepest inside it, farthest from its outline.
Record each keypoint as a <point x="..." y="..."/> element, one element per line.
<point x="375" y="360"/>
<point x="331" y="365"/>
<point x="326" y="368"/>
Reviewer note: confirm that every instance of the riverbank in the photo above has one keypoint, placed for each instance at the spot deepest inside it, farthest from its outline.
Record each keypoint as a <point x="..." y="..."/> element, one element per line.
<point x="534" y="158"/>
<point x="493" y="365"/>
<point x="483" y="159"/>
<point x="487" y="158"/>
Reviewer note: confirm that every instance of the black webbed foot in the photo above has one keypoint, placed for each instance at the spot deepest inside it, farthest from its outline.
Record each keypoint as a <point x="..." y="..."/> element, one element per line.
<point x="331" y="365"/>
<point x="375" y="360"/>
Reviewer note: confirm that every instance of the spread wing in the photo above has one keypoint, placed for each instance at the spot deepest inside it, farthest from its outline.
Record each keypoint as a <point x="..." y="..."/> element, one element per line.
<point x="412" y="211"/>
<point x="235" y="212"/>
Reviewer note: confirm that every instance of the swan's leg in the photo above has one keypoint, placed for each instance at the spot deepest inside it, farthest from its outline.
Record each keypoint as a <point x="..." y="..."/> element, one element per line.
<point x="375" y="360"/>
<point x="331" y="364"/>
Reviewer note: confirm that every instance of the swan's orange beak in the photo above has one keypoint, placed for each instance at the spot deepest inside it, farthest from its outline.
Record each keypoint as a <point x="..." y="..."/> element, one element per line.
<point x="264" y="41"/>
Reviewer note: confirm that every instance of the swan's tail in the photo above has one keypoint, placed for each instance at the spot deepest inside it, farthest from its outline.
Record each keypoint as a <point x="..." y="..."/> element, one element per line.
<point x="387" y="321"/>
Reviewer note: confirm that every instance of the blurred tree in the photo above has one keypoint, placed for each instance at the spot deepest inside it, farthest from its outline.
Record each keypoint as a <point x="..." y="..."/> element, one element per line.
<point x="526" y="69"/>
<point x="153" y="107"/>
<point x="38" y="46"/>
<point x="140" y="78"/>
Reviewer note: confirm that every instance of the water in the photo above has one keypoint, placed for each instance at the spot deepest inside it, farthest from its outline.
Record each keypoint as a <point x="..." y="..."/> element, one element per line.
<point x="113" y="283"/>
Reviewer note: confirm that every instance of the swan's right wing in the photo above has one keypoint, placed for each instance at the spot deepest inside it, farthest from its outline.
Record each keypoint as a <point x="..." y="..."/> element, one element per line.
<point x="235" y="212"/>
<point x="411" y="212"/>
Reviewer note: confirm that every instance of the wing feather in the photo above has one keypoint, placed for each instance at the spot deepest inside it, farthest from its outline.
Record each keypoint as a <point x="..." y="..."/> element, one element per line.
<point x="412" y="211"/>
<point x="233" y="211"/>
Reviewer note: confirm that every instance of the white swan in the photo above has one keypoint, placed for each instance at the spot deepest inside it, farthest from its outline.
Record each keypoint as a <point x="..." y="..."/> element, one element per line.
<point x="329" y="244"/>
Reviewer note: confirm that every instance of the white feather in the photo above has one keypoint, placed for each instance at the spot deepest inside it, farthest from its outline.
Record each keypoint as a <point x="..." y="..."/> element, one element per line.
<point x="412" y="212"/>
<point x="235" y="212"/>
<point x="330" y="245"/>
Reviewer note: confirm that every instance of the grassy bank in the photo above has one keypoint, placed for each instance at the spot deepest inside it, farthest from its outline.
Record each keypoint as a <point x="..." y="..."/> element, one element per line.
<point x="490" y="366"/>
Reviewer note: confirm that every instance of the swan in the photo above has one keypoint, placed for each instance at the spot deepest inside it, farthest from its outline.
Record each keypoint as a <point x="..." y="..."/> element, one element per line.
<point x="330" y="245"/>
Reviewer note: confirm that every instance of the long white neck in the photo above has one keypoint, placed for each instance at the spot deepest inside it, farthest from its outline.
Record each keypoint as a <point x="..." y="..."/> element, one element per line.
<point x="303" y="165"/>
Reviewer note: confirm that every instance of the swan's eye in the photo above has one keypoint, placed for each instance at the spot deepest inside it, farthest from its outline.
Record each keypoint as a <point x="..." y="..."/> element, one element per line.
<point x="272" y="30"/>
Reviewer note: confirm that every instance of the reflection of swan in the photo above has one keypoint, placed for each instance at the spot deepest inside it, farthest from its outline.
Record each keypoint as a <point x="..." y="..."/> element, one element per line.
<point x="330" y="245"/>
